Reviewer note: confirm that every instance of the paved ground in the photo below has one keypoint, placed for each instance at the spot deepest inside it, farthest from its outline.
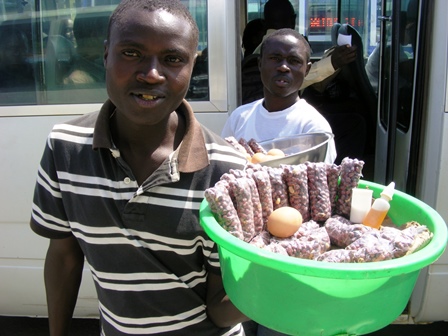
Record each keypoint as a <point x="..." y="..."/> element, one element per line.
<point x="433" y="329"/>
<point x="26" y="326"/>
<point x="15" y="326"/>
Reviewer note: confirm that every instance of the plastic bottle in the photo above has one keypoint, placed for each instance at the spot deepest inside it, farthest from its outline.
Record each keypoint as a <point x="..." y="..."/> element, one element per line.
<point x="380" y="207"/>
<point x="360" y="204"/>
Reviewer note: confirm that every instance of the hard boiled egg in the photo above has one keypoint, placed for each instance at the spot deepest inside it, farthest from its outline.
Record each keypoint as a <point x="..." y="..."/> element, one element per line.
<point x="276" y="152"/>
<point x="284" y="222"/>
<point x="258" y="157"/>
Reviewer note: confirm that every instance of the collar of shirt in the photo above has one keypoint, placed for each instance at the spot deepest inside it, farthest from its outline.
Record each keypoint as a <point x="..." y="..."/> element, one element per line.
<point x="192" y="151"/>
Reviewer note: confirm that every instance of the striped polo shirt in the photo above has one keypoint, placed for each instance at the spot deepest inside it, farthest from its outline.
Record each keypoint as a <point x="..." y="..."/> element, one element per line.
<point x="148" y="254"/>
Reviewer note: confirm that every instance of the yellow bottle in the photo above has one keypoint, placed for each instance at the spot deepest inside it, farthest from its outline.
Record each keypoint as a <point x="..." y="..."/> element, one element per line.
<point x="380" y="207"/>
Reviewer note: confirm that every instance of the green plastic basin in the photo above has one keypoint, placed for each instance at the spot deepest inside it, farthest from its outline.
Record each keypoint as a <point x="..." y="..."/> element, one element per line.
<point x="307" y="297"/>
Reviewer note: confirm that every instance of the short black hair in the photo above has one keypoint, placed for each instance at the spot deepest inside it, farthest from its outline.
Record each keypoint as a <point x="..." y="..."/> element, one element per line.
<point x="254" y="29"/>
<point x="287" y="32"/>
<point x="278" y="14"/>
<point x="174" y="7"/>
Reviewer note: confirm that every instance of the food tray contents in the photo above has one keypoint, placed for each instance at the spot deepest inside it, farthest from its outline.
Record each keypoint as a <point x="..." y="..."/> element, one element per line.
<point x="350" y="168"/>
<point x="361" y="204"/>
<point x="379" y="208"/>
<point x="318" y="191"/>
<point x="278" y="187"/>
<point x="312" y="189"/>
<point x="296" y="180"/>
<point x="254" y="152"/>
<point x="284" y="222"/>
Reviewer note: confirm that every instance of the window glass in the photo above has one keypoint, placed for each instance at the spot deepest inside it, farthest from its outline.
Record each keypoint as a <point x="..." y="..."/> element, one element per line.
<point x="317" y="24"/>
<point x="51" y="51"/>
<point x="315" y="18"/>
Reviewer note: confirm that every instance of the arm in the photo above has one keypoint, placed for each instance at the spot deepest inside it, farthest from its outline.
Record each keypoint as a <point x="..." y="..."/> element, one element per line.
<point x="343" y="55"/>
<point x="318" y="72"/>
<point x="325" y="67"/>
<point x="62" y="274"/>
<point x="220" y="309"/>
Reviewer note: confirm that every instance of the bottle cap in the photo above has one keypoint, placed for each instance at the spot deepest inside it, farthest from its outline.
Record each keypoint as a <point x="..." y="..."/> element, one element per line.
<point x="388" y="191"/>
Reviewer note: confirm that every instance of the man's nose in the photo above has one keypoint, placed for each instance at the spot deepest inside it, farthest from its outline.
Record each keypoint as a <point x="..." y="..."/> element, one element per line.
<point x="151" y="72"/>
<point x="283" y="66"/>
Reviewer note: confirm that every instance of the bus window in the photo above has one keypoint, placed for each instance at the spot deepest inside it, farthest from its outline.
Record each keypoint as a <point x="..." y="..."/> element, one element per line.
<point x="16" y="71"/>
<point x="318" y="21"/>
<point x="199" y="84"/>
<point x="51" y="52"/>
<point x="315" y="18"/>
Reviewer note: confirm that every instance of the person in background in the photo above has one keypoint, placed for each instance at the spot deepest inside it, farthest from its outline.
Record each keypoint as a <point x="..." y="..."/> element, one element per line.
<point x="90" y="33"/>
<point x="16" y="71"/>
<point x="284" y="63"/>
<point x="67" y="30"/>
<point x="253" y="35"/>
<point x="252" y="88"/>
<point x="349" y="127"/>
<point x="280" y="14"/>
<point x="121" y="188"/>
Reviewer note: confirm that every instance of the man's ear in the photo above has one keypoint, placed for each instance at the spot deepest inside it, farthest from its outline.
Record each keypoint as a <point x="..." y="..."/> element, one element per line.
<point x="308" y="67"/>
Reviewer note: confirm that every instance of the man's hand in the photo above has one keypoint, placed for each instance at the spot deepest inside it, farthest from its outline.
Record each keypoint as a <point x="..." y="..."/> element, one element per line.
<point x="343" y="55"/>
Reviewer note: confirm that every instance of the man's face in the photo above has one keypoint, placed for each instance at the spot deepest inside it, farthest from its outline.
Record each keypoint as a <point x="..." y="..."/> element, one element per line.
<point x="283" y="66"/>
<point x="148" y="64"/>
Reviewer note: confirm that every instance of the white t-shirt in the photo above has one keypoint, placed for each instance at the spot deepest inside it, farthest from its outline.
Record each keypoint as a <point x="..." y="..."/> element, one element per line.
<point x="254" y="121"/>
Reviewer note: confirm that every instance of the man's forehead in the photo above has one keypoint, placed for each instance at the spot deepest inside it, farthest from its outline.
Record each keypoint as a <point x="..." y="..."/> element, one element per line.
<point x="290" y="38"/>
<point x="284" y="43"/>
<point x="284" y="39"/>
<point x="157" y="23"/>
<point x="159" y="18"/>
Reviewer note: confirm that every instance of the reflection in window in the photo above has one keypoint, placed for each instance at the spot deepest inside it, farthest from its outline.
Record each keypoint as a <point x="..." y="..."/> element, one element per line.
<point x="54" y="55"/>
<point x="15" y="66"/>
<point x="315" y="18"/>
<point x="199" y="85"/>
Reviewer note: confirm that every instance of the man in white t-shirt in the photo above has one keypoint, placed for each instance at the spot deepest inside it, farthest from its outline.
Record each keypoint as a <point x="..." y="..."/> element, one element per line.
<point x="284" y="63"/>
<point x="280" y="14"/>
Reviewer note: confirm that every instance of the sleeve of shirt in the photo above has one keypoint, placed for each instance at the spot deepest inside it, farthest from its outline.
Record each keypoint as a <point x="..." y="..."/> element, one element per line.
<point x="232" y="122"/>
<point x="227" y="129"/>
<point x="48" y="216"/>
<point x="318" y="72"/>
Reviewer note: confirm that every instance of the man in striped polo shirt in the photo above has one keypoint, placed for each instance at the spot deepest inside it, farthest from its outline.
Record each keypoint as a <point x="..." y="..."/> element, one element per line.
<point x="121" y="188"/>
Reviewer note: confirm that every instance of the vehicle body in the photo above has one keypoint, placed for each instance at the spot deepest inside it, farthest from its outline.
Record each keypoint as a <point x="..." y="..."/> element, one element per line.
<point x="413" y="152"/>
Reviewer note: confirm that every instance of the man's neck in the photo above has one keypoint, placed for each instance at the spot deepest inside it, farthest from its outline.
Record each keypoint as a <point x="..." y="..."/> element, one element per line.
<point x="275" y="104"/>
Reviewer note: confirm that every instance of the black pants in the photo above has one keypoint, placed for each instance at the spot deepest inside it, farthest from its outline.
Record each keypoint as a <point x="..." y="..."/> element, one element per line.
<point x="349" y="131"/>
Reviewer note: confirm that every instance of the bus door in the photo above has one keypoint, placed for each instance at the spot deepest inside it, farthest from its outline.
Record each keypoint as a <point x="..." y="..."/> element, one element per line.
<point x="400" y="94"/>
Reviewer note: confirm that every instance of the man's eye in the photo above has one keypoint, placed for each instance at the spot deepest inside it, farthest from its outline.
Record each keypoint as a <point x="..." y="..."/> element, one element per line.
<point x="173" y="59"/>
<point x="130" y="53"/>
<point x="295" y="61"/>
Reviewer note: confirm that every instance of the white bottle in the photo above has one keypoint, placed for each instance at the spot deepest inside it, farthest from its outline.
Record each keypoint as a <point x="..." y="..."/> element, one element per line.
<point x="360" y="204"/>
<point x="380" y="207"/>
